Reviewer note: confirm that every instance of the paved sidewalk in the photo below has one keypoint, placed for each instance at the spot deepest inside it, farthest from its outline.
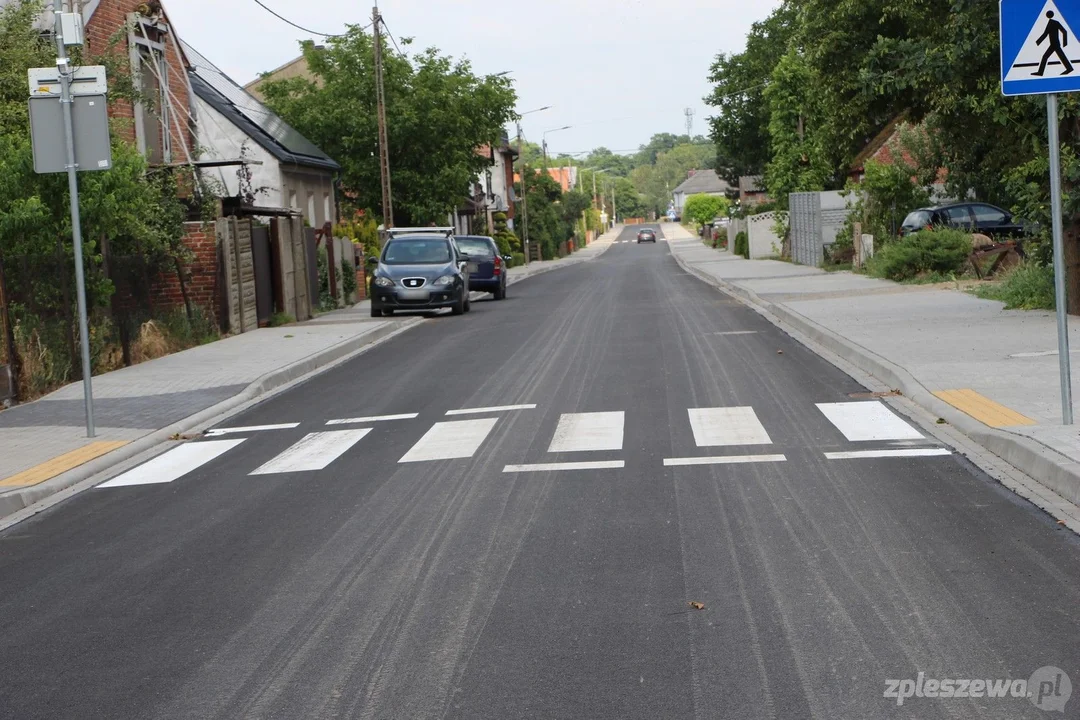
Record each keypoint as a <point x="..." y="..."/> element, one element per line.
<point x="45" y="448"/>
<point x="989" y="371"/>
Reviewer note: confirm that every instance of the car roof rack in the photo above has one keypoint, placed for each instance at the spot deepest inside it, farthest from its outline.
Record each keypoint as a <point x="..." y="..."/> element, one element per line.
<point x="447" y="231"/>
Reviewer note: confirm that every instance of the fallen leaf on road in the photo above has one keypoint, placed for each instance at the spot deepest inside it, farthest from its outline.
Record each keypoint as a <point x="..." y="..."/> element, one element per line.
<point x="942" y="421"/>
<point x="779" y="352"/>
<point x="1061" y="522"/>
<point x="289" y="336"/>
<point x="178" y="436"/>
<point x="696" y="605"/>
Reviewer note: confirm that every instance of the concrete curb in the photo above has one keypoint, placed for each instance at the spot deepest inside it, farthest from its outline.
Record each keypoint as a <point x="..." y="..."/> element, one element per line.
<point x="1041" y="463"/>
<point x="18" y="500"/>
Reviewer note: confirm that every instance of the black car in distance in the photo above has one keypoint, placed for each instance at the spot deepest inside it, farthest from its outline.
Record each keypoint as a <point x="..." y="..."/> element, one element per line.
<point x="972" y="217"/>
<point x="487" y="268"/>
<point x="420" y="269"/>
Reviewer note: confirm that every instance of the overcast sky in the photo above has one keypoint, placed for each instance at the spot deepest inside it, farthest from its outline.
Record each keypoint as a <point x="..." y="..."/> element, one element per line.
<point x="616" y="70"/>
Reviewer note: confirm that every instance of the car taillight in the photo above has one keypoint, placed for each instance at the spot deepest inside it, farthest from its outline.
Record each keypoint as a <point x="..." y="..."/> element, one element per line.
<point x="498" y="265"/>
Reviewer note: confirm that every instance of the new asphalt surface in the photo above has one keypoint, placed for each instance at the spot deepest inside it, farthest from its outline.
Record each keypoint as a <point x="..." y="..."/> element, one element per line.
<point x="341" y="582"/>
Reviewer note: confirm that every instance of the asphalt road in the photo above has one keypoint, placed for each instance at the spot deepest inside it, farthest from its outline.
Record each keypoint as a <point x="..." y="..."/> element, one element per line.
<point x="339" y="581"/>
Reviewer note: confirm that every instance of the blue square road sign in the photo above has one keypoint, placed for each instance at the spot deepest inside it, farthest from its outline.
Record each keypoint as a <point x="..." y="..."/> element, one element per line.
<point x="1040" y="53"/>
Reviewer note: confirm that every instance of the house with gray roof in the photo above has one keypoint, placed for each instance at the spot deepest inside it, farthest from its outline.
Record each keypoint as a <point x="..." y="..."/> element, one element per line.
<point x="282" y="168"/>
<point x="700" y="182"/>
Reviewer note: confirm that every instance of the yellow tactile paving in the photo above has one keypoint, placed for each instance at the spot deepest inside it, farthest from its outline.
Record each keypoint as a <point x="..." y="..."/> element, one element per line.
<point x="984" y="409"/>
<point x="61" y="464"/>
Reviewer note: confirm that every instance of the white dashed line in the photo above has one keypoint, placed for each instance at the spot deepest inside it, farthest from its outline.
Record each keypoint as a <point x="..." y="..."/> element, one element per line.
<point x="553" y="467"/>
<point x="873" y="454"/>
<point x="253" y="428"/>
<point x="503" y="408"/>
<point x="728" y="460"/>
<point x="376" y="418"/>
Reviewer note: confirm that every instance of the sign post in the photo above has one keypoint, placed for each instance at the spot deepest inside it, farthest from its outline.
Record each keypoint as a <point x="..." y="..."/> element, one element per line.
<point x="48" y="114"/>
<point x="1040" y="55"/>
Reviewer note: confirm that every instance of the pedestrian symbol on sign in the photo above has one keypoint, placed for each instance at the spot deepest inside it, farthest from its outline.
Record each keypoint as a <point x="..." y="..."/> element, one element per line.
<point x="1045" y="54"/>
<point x="1058" y="37"/>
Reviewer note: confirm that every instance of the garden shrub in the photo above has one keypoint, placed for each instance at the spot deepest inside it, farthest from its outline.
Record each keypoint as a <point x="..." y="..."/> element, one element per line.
<point x="742" y="244"/>
<point x="928" y="251"/>
<point x="1028" y="286"/>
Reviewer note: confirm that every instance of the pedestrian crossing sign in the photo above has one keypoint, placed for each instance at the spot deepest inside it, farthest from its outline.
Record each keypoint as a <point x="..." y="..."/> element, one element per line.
<point x="1040" y="53"/>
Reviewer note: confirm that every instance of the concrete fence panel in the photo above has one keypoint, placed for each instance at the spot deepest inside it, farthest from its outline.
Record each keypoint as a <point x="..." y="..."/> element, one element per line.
<point x="764" y="242"/>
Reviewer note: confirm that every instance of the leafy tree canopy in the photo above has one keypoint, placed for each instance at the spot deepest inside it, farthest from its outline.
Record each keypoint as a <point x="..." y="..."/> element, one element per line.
<point x="438" y="112"/>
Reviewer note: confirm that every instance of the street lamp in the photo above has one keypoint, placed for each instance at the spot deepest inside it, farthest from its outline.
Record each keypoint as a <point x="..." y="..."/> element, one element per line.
<point x="545" y="133"/>
<point x="524" y="206"/>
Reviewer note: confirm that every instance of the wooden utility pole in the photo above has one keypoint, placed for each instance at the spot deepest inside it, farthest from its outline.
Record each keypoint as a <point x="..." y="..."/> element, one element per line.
<point x="380" y="100"/>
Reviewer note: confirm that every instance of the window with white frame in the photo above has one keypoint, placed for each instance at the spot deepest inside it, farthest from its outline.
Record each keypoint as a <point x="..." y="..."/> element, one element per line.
<point x="153" y="115"/>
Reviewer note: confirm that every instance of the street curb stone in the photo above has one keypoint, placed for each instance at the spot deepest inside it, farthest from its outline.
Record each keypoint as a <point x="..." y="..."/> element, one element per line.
<point x="1043" y="464"/>
<point x="18" y="500"/>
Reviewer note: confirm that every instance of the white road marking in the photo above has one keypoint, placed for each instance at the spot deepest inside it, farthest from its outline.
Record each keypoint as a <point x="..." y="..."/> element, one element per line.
<point x="872" y="454"/>
<point x="376" y="418"/>
<point x="314" y="452"/>
<point x="867" y="421"/>
<point x="173" y="464"/>
<point x="552" y="467"/>
<point x="503" y="408"/>
<point x="722" y="427"/>
<point x="728" y="460"/>
<point x="588" y="432"/>
<point x="737" y="332"/>
<point x="253" y="428"/>
<point x="450" y="440"/>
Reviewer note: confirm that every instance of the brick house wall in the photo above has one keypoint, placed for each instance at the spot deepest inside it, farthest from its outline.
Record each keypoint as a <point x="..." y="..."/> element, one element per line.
<point x="201" y="273"/>
<point x="109" y="19"/>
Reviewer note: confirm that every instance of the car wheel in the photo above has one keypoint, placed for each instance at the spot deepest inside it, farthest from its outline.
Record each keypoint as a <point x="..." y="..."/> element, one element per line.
<point x="468" y="301"/>
<point x="500" y="294"/>
<point x="388" y="312"/>
<point x="376" y="312"/>
<point x="459" y="306"/>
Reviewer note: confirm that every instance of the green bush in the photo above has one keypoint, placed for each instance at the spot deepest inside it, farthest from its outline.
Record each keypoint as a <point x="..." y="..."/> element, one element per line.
<point x="929" y="251"/>
<point x="1028" y="286"/>
<point x="518" y="259"/>
<point x="742" y="244"/>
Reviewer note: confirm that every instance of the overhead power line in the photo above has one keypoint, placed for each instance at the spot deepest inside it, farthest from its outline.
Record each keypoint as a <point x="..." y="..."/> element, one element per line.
<point x="387" y="27"/>
<point x="287" y="21"/>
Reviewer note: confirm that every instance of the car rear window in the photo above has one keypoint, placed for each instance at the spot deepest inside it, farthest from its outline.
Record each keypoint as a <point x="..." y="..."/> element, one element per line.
<point x="416" y="251"/>
<point x="917" y="219"/>
<point x="479" y="248"/>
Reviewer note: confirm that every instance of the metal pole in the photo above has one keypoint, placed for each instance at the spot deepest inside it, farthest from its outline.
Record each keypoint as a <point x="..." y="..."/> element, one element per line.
<point x="524" y="206"/>
<point x="76" y="224"/>
<point x="380" y="111"/>
<point x="1064" y="358"/>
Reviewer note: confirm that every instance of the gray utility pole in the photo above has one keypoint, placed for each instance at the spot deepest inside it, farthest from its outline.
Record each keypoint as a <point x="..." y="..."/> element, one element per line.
<point x="380" y="100"/>
<point x="1064" y="358"/>
<point x="71" y="23"/>
<point x="524" y="207"/>
<point x="614" y="215"/>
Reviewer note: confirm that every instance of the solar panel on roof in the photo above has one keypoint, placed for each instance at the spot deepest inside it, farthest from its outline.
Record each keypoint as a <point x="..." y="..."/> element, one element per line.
<point x="253" y="110"/>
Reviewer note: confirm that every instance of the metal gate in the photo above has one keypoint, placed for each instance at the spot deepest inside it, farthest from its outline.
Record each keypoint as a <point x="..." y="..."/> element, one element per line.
<point x="264" y="277"/>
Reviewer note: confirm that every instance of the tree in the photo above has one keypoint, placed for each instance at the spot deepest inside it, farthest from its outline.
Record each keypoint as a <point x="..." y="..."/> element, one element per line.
<point x="438" y="112"/>
<point x="799" y="162"/>
<point x="628" y="201"/>
<point x="740" y="129"/>
<point x="702" y="209"/>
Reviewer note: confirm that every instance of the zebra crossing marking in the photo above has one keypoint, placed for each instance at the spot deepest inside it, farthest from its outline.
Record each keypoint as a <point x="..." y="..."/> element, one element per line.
<point x="868" y="421"/>
<point x="174" y="464"/>
<point x="316" y="451"/>
<point x="450" y="440"/>
<point x="727" y="426"/>
<point x="588" y="432"/>
<point x="477" y="411"/>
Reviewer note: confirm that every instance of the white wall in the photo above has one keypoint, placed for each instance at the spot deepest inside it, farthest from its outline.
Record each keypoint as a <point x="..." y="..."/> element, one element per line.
<point x="219" y="139"/>
<point x="764" y="243"/>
